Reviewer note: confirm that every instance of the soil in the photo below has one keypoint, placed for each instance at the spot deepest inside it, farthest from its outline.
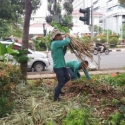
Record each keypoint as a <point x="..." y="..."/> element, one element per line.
<point x="100" y="97"/>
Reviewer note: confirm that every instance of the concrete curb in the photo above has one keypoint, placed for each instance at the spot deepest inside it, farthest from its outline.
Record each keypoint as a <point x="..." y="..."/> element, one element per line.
<point x="116" y="50"/>
<point x="33" y="76"/>
<point x="110" y="50"/>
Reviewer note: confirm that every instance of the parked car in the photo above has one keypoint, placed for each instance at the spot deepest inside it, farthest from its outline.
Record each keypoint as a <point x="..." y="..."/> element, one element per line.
<point x="9" y="39"/>
<point x="38" y="60"/>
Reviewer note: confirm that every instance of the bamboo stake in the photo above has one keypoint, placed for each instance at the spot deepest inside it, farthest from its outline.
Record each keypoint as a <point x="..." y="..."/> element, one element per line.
<point x="80" y="49"/>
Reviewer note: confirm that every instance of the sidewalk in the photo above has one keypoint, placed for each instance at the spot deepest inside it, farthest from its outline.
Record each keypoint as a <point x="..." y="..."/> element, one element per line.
<point x="52" y="75"/>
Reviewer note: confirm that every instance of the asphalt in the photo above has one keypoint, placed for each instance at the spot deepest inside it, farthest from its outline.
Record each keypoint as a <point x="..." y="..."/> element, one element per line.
<point x="49" y="75"/>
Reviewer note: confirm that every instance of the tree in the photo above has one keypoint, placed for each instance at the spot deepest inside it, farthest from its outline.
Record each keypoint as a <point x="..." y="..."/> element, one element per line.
<point x="8" y="29"/>
<point x="10" y="17"/>
<point x="123" y="31"/>
<point x="12" y="11"/>
<point x="66" y="19"/>
<point x="28" y="12"/>
<point x="122" y="2"/>
<point x="98" y="29"/>
<point x="68" y="7"/>
<point x="30" y="6"/>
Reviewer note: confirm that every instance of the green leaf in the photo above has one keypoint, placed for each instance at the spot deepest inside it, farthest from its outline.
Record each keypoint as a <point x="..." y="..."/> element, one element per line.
<point x="3" y="49"/>
<point x="22" y="51"/>
<point x="10" y="49"/>
<point x="22" y="59"/>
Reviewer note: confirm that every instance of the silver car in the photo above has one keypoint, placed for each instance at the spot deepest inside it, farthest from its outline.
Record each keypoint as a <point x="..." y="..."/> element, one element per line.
<point x="38" y="61"/>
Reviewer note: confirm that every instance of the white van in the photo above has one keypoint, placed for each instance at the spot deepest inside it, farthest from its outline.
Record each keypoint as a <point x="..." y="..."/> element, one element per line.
<point x="38" y="60"/>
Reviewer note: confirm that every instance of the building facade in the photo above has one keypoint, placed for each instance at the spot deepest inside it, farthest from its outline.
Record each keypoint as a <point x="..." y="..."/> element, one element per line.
<point x="76" y="14"/>
<point x="113" y="14"/>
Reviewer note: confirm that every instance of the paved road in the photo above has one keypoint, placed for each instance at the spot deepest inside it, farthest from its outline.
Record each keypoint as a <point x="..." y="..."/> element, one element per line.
<point x="113" y="60"/>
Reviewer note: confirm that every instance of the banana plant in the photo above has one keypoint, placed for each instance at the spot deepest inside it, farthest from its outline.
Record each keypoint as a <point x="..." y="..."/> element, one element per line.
<point x="18" y="55"/>
<point x="3" y="49"/>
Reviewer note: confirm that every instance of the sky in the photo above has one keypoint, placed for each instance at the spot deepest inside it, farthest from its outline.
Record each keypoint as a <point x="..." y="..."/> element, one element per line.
<point x="42" y="11"/>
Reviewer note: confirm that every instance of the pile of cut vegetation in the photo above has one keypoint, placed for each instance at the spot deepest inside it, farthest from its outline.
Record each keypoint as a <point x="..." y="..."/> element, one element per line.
<point x="104" y="98"/>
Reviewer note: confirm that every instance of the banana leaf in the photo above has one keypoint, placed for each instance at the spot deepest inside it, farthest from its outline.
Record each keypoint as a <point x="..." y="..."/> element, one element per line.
<point x="3" y="49"/>
<point x="11" y="51"/>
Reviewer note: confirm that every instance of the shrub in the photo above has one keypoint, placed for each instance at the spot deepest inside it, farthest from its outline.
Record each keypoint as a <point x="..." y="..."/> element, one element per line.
<point x="86" y="39"/>
<point x="113" y="80"/>
<point x="6" y="106"/>
<point x="118" y="118"/>
<point x="79" y="117"/>
<point x="113" y="35"/>
<point x="40" y="44"/>
<point x="113" y="39"/>
<point x="49" y="19"/>
<point x="9" y="77"/>
<point x="102" y="38"/>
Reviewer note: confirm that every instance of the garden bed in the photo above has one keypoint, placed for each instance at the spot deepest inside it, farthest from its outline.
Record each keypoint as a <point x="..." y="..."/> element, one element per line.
<point x="97" y="102"/>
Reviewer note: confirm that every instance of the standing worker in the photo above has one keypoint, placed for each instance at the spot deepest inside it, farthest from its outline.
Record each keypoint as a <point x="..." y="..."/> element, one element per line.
<point x="58" y="50"/>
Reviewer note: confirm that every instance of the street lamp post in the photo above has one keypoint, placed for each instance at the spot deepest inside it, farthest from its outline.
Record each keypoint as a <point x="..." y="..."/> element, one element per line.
<point x="44" y="30"/>
<point x="92" y="29"/>
<point x="107" y="30"/>
<point x="44" y="34"/>
<point x="55" y="6"/>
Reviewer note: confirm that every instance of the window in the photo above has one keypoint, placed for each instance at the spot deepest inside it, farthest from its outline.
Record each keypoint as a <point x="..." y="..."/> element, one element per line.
<point x="120" y="7"/>
<point x="31" y="18"/>
<point x="109" y="9"/>
<point x="29" y="52"/>
<point x="108" y="2"/>
<point x="96" y="8"/>
<point x="95" y="2"/>
<point x="9" y="40"/>
<point x="100" y="21"/>
<point x="114" y="8"/>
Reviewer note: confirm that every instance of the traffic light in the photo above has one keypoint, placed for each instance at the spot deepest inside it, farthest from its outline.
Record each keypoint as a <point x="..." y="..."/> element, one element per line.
<point x="86" y="17"/>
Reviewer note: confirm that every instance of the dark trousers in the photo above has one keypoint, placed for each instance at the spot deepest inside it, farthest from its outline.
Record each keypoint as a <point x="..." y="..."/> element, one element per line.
<point x="71" y="73"/>
<point x="63" y="78"/>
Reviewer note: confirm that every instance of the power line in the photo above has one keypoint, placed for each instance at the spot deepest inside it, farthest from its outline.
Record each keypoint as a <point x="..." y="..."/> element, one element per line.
<point x="109" y="6"/>
<point x="104" y="7"/>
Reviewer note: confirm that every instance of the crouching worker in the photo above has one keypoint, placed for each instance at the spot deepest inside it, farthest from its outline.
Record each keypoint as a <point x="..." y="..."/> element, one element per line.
<point x="73" y="68"/>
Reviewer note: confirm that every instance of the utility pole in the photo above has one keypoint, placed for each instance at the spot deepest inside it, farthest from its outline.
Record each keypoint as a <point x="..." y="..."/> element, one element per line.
<point x="107" y="34"/>
<point x="55" y="16"/>
<point x="55" y="6"/>
<point x="92" y="29"/>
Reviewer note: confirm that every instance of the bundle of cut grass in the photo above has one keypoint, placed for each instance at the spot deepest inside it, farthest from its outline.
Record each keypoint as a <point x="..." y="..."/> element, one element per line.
<point x="80" y="49"/>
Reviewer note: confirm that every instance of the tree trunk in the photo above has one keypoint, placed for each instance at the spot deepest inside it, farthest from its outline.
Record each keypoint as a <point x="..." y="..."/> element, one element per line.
<point x="25" y="38"/>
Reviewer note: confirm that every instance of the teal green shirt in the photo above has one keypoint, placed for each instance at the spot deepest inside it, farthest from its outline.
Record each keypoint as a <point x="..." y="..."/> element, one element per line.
<point x="75" y="66"/>
<point x="58" y="50"/>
